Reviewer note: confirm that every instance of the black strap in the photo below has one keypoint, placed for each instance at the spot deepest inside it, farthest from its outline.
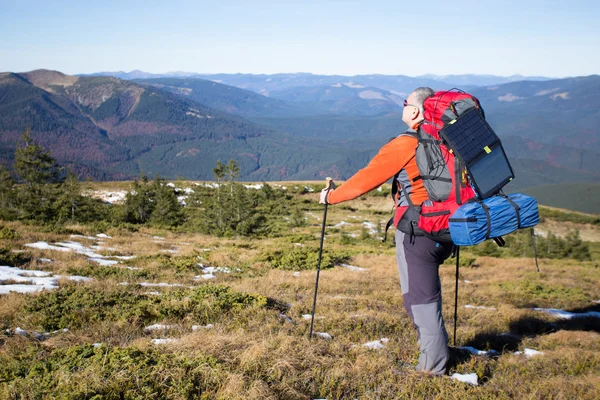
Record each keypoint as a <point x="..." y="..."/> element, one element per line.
<point x="410" y="203"/>
<point x="470" y="219"/>
<point x="432" y="177"/>
<point x="387" y="227"/>
<point x="457" y="250"/>
<point x="534" y="249"/>
<point x="435" y="213"/>
<point x="457" y="179"/>
<point x="489" y="220"/>
<point x="516" y="207"/>
<point x="431" y="141"/>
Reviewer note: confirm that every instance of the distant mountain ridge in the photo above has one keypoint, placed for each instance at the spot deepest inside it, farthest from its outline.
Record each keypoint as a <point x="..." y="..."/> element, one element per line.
<point x="264" y="83"/>
<point x="109" y="128"/>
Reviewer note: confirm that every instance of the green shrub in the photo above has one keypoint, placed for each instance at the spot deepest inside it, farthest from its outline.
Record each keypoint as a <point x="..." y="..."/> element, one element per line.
<point x="466" y="260"/>
<point x="74" y="306"/>
<point x="8" y="257"/>
<point x="8" y="234"/>
<point x="303" y="258"/>
<point x="577" y="218"/>
<point x="102" y="271"/>
<point x="537" y="291"/>
<point x="38" y="372"/>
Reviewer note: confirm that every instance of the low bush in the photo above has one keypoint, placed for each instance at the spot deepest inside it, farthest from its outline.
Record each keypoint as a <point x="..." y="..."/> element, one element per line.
<point x="303" y="258"/>
<point x="8" y="234"/>
<point x="102" y="271"/>
<point x="39" y="372"/>
<point x="74" y="306"/>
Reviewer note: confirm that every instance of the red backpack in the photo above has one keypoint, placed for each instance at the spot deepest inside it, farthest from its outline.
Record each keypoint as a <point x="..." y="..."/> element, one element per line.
<point x="443" y="175"/>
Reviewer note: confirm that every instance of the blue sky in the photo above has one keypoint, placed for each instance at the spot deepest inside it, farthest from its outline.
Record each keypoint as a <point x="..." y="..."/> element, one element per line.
<point x="529" y="37"/>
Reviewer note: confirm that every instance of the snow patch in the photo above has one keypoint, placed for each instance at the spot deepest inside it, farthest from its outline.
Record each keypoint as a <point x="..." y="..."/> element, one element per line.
<point x="157" y="327"/>
<point x="29" y="281"/>
<point x="257" y="186"/>
<point x="164" y="341"/>
<point x="471" y="379"/>
<point x="568" y="315"/>
<point x="529" y="353"/>
<point x="376" y="344"/>
<point x="107" y="196"/>
<point x="161" y="284"/>
<point x="341" y="224"/>
<point x="102" y="261"/>
<point x="309" y="316"/>
<point x="479" y="307"/>
<point x="477" y="352"/>
<point x="323" y="335"/>
<point x="353" y="268"/>
<point x="371" y="227"/>
<point x="198" y="327"/>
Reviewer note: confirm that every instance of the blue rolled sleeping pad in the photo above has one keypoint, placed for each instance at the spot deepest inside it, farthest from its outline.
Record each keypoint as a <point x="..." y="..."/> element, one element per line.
<point x="477" y="221"/>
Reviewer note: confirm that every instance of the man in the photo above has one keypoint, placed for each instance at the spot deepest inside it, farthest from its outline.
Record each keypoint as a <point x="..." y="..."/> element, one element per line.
<point x="418" y="257"/>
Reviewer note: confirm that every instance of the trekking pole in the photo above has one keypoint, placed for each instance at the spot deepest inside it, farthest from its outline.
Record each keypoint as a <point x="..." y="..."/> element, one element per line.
<point x="456" y="294"/>
<point x="534" y="249"/>
<point x="330" y="185"/>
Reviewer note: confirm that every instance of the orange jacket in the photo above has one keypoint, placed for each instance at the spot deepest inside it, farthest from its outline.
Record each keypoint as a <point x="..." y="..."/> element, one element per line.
<point x="398" y="154"/>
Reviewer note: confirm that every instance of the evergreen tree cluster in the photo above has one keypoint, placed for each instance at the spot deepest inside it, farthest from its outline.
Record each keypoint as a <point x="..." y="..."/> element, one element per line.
<point x="42" y="191"/>
<point x="154" y="203"/>
<point x="519" y="244"/>
<point x="229" y="208"/>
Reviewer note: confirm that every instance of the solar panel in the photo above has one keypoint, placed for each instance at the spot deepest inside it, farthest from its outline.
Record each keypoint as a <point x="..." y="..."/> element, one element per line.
<point x="474" y="142"/>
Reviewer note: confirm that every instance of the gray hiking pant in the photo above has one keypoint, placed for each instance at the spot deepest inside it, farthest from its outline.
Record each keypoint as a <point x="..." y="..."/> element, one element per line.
<point x="418" y="263"/>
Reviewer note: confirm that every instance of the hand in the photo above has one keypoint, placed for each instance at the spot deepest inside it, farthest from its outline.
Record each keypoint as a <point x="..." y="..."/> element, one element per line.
<point x="325" y="192"/>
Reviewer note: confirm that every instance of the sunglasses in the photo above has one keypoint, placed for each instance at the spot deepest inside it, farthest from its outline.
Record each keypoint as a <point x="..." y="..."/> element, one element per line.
<point x="406" y="103"/>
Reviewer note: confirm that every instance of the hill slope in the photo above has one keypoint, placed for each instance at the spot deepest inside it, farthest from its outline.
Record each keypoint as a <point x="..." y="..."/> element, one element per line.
<point x="584" y="197"/>
<point x="107" y="128"/>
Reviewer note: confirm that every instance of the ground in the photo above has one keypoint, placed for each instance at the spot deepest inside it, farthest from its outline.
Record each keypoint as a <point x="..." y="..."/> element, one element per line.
<point x="242" y="332"/>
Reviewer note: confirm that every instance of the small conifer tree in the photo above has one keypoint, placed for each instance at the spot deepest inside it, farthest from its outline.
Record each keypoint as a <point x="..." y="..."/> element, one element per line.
<point x="167" y="210"/>
<point x="37" y="170"/>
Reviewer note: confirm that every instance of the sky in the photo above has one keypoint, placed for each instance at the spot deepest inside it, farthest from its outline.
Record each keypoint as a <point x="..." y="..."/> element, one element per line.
<point x="528" y="37"/>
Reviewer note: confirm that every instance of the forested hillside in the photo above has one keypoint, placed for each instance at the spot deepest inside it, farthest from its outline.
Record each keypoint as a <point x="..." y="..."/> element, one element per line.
<point x="107" y="128"/>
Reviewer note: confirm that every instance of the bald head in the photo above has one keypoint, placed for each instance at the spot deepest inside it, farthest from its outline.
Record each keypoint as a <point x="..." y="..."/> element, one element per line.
<point x="413" y="110"/>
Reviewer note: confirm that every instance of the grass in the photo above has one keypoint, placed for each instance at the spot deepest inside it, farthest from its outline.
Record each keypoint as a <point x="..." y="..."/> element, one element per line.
<point x="254" y="352"/>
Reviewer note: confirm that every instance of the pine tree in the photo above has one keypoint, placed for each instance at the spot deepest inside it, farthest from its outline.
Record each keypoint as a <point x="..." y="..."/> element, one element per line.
<point x="7" y="194"/>
<point x="219" y="173"/>
<point x="37" y="170"/>
<point x="139" y="202"/>
<point x="576" y="248"/>
<point x="69" y="199"/>
<point x="167" y="210"/>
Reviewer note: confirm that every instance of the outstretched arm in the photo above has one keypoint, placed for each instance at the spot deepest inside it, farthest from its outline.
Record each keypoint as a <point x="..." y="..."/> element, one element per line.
<point x="388" y="162"/>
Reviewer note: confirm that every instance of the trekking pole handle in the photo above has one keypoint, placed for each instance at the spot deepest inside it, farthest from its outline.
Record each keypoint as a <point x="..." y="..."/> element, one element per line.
<point x="330" y="184"/>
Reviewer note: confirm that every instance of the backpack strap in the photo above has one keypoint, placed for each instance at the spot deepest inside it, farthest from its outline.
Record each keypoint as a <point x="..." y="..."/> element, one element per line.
<point x="395" y="185"/>
<point x="516" y="207"/>
<point x="488" y="220"/>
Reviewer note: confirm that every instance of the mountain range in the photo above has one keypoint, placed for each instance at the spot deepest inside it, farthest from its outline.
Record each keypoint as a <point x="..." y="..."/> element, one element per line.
<point x="309" y="126"/>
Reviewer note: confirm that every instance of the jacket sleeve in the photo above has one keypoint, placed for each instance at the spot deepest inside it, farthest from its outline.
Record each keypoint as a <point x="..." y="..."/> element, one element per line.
<point x="388" y="162"/>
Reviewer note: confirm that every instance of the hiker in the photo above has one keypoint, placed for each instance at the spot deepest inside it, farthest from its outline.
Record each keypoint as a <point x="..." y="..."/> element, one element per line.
<point x="418" y="257"/>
